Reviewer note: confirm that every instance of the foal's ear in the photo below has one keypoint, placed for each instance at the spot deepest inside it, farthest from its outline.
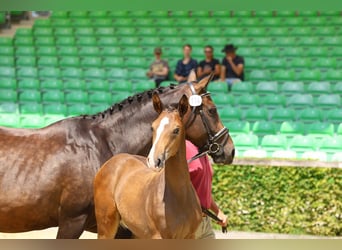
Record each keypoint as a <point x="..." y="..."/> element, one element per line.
<point x="192" y="76"/>
<point x="157" y="104"/>
<point x="183" y="106"/>
<point x="202" y="85"/>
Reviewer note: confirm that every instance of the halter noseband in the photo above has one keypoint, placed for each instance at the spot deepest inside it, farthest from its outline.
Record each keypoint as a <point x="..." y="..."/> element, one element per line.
<point x="212" y="147"/>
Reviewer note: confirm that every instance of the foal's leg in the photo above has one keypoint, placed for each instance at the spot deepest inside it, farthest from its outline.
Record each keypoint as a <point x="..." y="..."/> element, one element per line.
<point x="107" y="217"/>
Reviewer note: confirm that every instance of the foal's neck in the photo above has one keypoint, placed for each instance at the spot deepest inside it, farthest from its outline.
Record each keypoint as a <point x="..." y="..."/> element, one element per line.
<point x="176" y="169"/>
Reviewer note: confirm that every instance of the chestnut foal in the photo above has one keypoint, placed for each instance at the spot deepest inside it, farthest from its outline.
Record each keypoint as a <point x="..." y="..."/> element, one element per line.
<point x="153" y="196"/>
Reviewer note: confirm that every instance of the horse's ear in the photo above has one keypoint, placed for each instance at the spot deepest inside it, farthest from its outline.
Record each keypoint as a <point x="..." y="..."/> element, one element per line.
<point x="157" y="104"/>
<point x="183" y="105"/>
<point x="192" y="76"/>
<point x="201" y="86"/>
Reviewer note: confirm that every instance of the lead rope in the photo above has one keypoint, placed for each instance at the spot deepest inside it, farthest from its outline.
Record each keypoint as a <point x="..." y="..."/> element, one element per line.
<point x="215" y="218"/>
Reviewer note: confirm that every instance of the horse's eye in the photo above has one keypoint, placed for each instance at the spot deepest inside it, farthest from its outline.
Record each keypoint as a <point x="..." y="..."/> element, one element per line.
<point x="176" y="131"/>
<point x="213" y="111"/>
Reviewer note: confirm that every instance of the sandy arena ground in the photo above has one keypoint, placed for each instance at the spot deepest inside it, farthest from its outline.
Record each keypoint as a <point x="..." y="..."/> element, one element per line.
<point x="51" y="234"/>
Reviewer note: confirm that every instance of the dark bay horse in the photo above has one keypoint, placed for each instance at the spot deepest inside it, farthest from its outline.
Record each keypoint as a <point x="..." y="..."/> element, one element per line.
<point x="152" y="196"/>
<point x="46" y="175"/>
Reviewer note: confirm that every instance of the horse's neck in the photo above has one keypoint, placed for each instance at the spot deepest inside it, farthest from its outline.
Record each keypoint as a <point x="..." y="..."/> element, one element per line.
<point x="177" y="174"/>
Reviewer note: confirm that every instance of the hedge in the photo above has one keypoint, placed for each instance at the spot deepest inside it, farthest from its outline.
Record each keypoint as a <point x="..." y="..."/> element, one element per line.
<point x="291" y="200"/>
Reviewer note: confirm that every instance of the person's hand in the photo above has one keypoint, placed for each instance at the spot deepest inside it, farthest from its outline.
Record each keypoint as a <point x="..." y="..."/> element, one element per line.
<point x="222" y="217"/>
<point x="149" y="74"/>
<point x="230" y="59"/>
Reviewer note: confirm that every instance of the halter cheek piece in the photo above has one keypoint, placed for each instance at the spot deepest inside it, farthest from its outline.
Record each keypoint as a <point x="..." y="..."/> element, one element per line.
<point x="212" y="147"/>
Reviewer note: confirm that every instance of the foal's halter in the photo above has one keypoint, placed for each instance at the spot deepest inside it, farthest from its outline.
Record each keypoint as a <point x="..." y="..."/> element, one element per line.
<point x="212" y="147"/>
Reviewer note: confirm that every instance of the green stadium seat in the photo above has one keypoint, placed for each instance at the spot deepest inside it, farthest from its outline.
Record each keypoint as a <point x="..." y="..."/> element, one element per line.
<point x="164" y="23"/>
<point x="307" y="41"/>
<point x="49" y="84"/>
<point x="333" y="115"/>
<point x="88" y="51"/>
<point x="96" y="108"/>
<point x="91" y="62"/>
<point x="278" y="31"/>
<point x="25" y="41"/>
<point x="125" y="31"/>
<point x="23" y="32"/>
<point x="6" y="41"/>
<point x="42" y="23"/>
<point x="150" y="41"/>
<point x="9" y="120"/>
<point x="8" y="108"/>
<point x="25" y="51"/>
<point x="45" y="41"/>
<point x="48" y="61"/>
<point x="76" y="96"/>
<point x="61" y="23"/>
<point x="273" y="63"/>
<point x="283" y="114"/>
<point x="291" y="128"/>
<point x="309" y="75"/>
<point x="40" y="32"/>
<point x="241" y="88"/>
<point x="100" y="97"/>
<point x="230" y="114"/>
<point x="262" y="128"/>
<point x="78" y="109"/>
<point x="144" y="85"/>
<point x="168" y="31"/>
<point x="284" y="75"/>
<point x="68" y="51"/>
<point x="146" y="31"/>
<point x="159" y="14"/>
<point x="110" y="62"/>
<point x="7" y="72"/>
<point x="179" y="13"/>
<point x="31" y="108"/>
<point x="123" y="22"/>
<point x="64" y="32"/>
<point x="316" y="51"/>
<point x="122" y="86"/>
<point x="333" y="75"/>
<point x="55" y="96"/>
<point x="119" y="97"/>
<point x="8" y="83"/>
<point x="83" y="31"/>
<point x="248" y="51"/>
<point x="8" y="95"/>
<point x="291" y="51"/>
<point x="131" y="42"/>
<point x="266" y="88"/>
<point x="317" y="88"/>
<point x="135" y="62"/>
<point x="337" y="88"/>
<point x="98" y="85"/>
<point x="72" y="73"/>
<point x="107" y="41"/>
<point x="247" y="100"/>
<point x="117" y="74"/>
<point x="69" y="61"/>
<point x="208" y="22"/>
<point x="6" y="61"/>
<point x="238" y="127"/>
<point x="339" y="129"/>
<point x="104" y="32"/>
<point x="118" y="13"/>
<point x="50" y="119"/>
<point x="65" y="41"/>
<point x="46" y="51"/>
<point x="256" y="114"/>
<point x="59" y="14"/>
<point x="30" y="96"/>
<point x="27" y="72"/>
<point x="55" y="109"/>
<point x="245" y="142"/>
<point x="256" y="63"/>
<point x="272" y="143"/>
<point x="137" y="74"/>
<point x="24" y="61"/>
<point x="329" y="12"/>
<point x="218" y="87"/>
<point x="222" y="99"/>
<point x="282" y="41"/>
<point x="271" y="22"/>
<point x="310" y="115"/>
<point x="302" y="143"/>
<point x="255" y="32"/>
<point x="291" y="87"/>
<point x="300" y="63"/>
<point x="325" y="63"/>
<point x="320" y="129"/>
<point x="300" y="101"/>
<point x="95" y="73"/>
<point x="86" y="41"/>
<point x="111" y="51"/>
<point x="102" y="23"/>
<point x="293" y="22"/>
<point x="145" y="22"/>
<point x="259" y="75"/>
<point x="272" y="101"/>
<point x="78" y="13"/>
<point x="221" y="13"/>
<point x="31" y="121"/>
<point x="326" y="101"/>
<point x="331" y="145"/>
<point x="300" y="31"/>
<point x="74" y="84"/>
<point x="264" y="13"/>
<point x="81" y="23"/>
<point x="49" y="72"/>
<point x="332" y="40"/>
<point x="185" y="22"/>
<point x="29" y="83"/>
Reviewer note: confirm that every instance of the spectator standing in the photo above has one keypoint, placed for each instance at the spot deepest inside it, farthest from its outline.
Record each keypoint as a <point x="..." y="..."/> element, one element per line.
<point x="185" y="65"/>
<point x="201" y="174"/>
<point x="209" y="64"/>
<point x="159" y="69"/>
<point x="232" y="69"/>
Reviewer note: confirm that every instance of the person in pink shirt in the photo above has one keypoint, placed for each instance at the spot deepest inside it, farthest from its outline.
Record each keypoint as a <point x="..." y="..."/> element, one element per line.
<point x="201" y="174"/>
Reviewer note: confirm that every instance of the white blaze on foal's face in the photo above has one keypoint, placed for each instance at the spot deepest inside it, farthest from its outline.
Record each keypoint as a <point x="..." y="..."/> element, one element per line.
<point x="150" y="159"/>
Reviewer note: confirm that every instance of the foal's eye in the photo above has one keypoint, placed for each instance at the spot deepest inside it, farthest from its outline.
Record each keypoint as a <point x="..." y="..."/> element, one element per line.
<point x="176" y="131"/>
<point x="213" y="111"/>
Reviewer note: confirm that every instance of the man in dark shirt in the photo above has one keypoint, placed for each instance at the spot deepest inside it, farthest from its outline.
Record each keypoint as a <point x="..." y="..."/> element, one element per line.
<point x="232" y="69"/>
<point x="209" y="64"/>
<point x="185" y="65"/>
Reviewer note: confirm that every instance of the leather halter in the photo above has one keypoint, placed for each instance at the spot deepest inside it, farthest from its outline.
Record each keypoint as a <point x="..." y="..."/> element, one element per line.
<point x="212" y="147"/>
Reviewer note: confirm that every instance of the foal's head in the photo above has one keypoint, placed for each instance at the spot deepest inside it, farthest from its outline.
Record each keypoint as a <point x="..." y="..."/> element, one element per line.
<point x="168" y="131"/>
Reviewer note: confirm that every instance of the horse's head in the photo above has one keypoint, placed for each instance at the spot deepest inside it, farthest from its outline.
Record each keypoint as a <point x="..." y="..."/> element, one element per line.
<point x="204" y="127"/>
<point x="168" y="131"/>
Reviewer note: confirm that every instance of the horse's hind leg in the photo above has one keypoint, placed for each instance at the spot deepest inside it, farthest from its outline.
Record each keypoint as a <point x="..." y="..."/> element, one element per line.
<point x="107" y="217"/>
